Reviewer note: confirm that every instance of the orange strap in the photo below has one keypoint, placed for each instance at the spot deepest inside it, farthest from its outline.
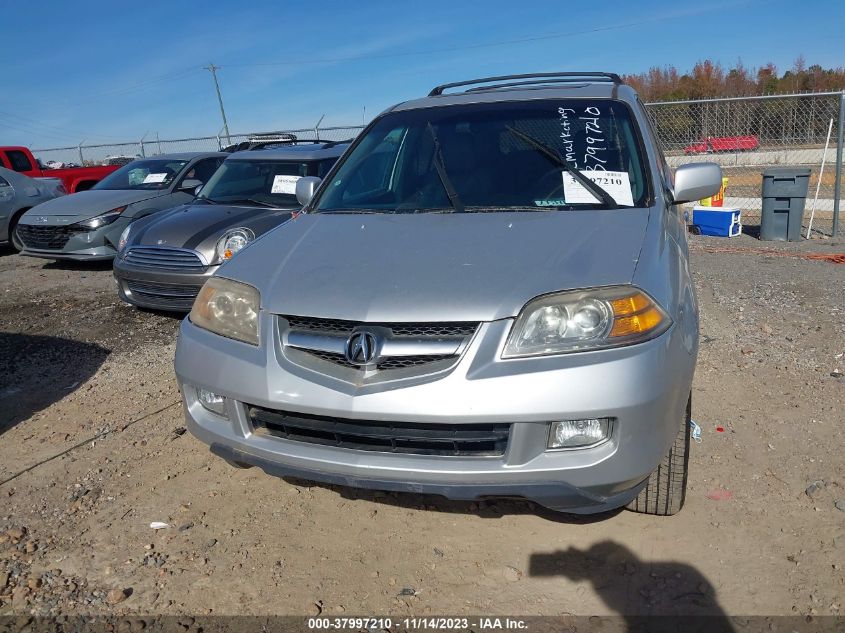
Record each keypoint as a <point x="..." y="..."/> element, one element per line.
<point x="833" y="258"/>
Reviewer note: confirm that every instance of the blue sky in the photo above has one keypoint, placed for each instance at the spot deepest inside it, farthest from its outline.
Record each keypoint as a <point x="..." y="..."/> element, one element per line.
<point x="110" y="71"/>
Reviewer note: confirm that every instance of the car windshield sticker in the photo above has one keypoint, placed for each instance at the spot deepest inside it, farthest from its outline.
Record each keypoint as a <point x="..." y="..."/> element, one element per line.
<point x="552" y="202"/>
<point x="154" y="178"/>
<point x="284" y="184"/>
<point x="616" y="183"/>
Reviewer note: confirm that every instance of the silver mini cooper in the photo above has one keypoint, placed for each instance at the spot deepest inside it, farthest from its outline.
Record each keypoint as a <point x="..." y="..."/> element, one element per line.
<point x="488" y="295"/>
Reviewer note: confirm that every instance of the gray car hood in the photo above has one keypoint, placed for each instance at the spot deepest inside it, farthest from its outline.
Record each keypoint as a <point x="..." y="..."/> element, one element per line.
<point x="436" y="267"/>
<point x="200" y="226"/>
<point x="87" y="204"/>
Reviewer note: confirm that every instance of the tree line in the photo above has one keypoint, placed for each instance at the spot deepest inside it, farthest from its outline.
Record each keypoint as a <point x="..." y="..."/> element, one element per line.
<point x="709" y="79"/>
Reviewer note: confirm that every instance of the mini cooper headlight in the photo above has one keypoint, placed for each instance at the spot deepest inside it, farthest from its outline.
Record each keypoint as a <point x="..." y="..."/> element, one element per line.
<point x="584" y="320"/>
<point x="124" y="238"/>
<point x="228" y="308"/>
<point x="231" y="242"/>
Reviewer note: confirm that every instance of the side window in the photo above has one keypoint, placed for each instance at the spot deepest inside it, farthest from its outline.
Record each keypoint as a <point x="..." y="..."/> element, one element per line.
<point x="204" y="169"/>
<point x="324" y="166"/>
<point x="375" y="172"/>
<point x="19" y="160"/>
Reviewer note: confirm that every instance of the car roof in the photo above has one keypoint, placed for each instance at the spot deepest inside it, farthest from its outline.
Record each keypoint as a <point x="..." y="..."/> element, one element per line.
<point x="183" y="156"/>
<point x="525" y="88"/>
<point x="311" y="151"/>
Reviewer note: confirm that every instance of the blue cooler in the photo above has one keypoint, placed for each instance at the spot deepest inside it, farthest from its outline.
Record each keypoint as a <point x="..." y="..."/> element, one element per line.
<point x="718" y="221"/>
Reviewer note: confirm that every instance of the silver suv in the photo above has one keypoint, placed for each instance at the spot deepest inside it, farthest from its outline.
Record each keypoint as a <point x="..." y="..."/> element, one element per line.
<point x="488" y="295"/>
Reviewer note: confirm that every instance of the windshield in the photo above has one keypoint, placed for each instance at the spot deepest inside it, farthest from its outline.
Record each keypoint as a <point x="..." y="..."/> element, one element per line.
<point x="494" y="156"/>
<point x="146" y="174"/>
<point x="261" y="182"/>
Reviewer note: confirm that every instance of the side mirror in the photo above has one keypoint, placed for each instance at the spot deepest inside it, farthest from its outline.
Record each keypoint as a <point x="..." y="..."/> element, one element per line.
<point x="695" y="181"/>
<point x="305" y="188"/>
<point x="190" y="184"/>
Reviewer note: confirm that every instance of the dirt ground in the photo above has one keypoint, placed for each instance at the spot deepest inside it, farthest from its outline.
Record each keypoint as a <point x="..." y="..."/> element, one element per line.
<point x="762" y="532"/>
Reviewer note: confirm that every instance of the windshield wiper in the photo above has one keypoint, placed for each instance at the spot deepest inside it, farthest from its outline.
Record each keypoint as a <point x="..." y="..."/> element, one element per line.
<point x="454" y="199"/>
<point x="548" y="152"/>
<point x="259" y="203"/>
<point x="352" y="211"/>
<point x="208" y="200"/>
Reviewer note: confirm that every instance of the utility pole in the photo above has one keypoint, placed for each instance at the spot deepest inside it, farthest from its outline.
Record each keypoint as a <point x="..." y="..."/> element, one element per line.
<point x="214" y="70"/>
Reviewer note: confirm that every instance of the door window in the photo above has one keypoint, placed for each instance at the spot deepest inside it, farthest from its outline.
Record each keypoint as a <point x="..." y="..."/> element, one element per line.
<point x="203" y="170"/>
<point x="19" y="160"/>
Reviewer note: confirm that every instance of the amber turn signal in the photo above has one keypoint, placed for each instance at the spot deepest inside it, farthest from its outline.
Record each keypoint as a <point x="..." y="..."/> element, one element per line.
<point x="635" y="315"/>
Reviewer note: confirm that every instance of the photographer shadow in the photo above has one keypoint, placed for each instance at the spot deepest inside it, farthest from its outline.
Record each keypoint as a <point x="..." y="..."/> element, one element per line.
<point x="649" y="596"/>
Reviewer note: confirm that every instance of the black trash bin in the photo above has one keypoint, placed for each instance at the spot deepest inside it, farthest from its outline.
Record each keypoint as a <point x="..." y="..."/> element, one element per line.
<point x="784" y="195"/>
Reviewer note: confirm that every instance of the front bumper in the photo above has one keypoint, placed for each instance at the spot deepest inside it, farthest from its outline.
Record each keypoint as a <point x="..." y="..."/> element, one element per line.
<point x="644" y="388"/>
<point x="60" y="241"/>
<point x="159" y="288"/>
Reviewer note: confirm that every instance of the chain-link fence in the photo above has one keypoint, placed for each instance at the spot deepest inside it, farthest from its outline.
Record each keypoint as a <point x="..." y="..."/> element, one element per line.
<point x="118" y="153"/>
<point x="744" y="135"/>
<point x="747" y="135"/>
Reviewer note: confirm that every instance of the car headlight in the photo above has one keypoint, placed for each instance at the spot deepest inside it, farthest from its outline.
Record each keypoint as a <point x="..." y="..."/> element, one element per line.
<point x="124" y="238"/>
<point x="585" y="320"/>
<point x="231" y="242"/>
<point x="101" y="220"/>
<point x="228" y="308"/>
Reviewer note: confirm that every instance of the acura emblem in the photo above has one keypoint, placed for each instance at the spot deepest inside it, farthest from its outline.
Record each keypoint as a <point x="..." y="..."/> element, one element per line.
<point x="361" y="348"/>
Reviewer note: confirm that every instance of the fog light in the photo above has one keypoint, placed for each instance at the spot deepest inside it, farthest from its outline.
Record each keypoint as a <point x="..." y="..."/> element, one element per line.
<point x="211" y="401"/>
<point x="579" y="433"/>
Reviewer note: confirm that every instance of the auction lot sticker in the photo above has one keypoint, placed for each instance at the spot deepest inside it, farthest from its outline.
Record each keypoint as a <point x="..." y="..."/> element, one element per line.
<point x="151" y="178"/>
<point x="284" y="184"/>
<point x="616" y="183"/>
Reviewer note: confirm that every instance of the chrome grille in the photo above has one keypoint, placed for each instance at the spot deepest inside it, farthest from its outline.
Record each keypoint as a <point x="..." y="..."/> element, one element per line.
<point x="402" y="346"/>
<point x="398" y="329"/>
<point x="392" y="362"/>
<point x="164" y="257"/>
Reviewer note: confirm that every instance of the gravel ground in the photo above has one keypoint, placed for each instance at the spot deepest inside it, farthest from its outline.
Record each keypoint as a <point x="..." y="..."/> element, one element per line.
<point x="90" y="413"/>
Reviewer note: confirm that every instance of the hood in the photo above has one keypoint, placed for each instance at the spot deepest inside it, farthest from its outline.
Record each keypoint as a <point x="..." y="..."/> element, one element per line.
<point x="200" y="226"/>
<point x="87" y="204"/>
<point x="436" y="267"/>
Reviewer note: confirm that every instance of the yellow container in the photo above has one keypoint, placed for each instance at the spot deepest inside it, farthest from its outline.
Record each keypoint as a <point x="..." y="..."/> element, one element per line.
<point x="718" y="199"/>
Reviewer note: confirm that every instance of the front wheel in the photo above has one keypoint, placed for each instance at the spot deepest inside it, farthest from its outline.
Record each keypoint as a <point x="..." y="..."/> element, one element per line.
<point x="666" y="488"/>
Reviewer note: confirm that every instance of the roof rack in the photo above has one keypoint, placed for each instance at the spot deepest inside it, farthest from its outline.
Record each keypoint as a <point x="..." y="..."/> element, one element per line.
<point x="264" y="144"/>
<point x="534" y="78"/>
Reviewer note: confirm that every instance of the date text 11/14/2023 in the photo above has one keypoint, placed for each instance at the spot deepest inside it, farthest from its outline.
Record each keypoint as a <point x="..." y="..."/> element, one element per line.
<point x="457" y="624"/>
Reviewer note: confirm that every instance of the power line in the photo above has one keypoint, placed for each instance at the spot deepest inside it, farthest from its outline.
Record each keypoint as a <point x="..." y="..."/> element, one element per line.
<point x="21" y="127"/>
<point x="452" y="49"/>
<point x="119" y="92"/>
<point x="52" y="129"/>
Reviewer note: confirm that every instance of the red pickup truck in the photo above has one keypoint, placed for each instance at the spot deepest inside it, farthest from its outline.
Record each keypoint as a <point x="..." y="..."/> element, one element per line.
<point x="724" y="144"/>
<point x="21" y="160"/>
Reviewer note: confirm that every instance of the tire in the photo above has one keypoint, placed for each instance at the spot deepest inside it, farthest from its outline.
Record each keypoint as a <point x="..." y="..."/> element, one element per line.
<point x="14" y="240"/>
<point x="666" y="489"/>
